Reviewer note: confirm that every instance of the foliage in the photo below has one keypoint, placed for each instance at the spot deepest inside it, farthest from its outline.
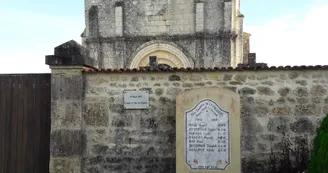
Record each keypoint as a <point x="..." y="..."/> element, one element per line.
<point x="319" y="155"/>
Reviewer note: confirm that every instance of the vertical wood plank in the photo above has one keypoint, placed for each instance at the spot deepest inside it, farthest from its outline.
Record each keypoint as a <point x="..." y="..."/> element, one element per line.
<point x="2" y="123"/>
<point x="7" y="107"/>
<point x="24" y="123"/>
<point x="13" y="128"/>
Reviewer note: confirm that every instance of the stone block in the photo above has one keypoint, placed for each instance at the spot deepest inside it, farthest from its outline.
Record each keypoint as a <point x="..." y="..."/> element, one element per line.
<point x="189" y="85"/>
<point x="316" y="99"/>
<point x="122" y="121"/>
<point x="65" y="165"/>
<point x="66" y="143"/>
<point x="247" y="91"/>
<point x="303" y="125"/>
<point x="173" y="91"/>
<point x="250" y="125"/>
<point x="116" y="108"/>
<point x="241" y="78"/>
<point x="69" y="54"/>
<point x="307" y="110"/>
<point x="301" y="92"/>
<point x="150" y="90"/>
<point x="199" y="84"/>
<point x="270" y="83"/>
<point x="318" y="90"/>
<point x="96" y="114"/>
<point x="281" y="100"/>
<point x="261" y="111"/>
<point x="281" y="110"/>
<point x="150" y="123"/>
<point x="134" y="79"/>
<point x="301" y="82"/>
<point x="235" y="83"/>
<point x="291" y="100"/>
<point x="66" y="114"/>
<point x="95" y="169"/>
<point x="302" y="100"/>
<point x="176" y="84"/>
<point x="167" y="120"/>
<point x="253" y="165"/>
<point x="284" y="91"/>
<point x="262" y="77"/>
<point x="293" y="75"/>
<point x="265" y="90"/>
<point x="174" y="78"/>
<point x="66" y="87"/>
<point x="159" y="91"/>
<point x="96" y="135"/>
<point x="95" y="160"/>
<point x="278" y="124"/>
<point x="248" y="143"/>
<point x="269" y="137"/>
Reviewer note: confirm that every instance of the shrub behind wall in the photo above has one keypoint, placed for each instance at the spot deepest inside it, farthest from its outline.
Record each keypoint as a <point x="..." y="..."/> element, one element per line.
<point x="319" y="156"/>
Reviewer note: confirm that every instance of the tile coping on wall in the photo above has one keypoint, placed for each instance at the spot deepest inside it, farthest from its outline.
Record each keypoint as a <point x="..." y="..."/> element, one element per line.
<point x="245" y="68"/>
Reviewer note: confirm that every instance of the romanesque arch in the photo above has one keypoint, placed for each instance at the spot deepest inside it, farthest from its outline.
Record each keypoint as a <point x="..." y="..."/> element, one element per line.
<point x="167" y="53"/>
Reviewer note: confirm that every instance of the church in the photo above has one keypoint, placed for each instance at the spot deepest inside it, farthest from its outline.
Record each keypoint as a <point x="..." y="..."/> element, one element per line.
<point x="178" y="33"/>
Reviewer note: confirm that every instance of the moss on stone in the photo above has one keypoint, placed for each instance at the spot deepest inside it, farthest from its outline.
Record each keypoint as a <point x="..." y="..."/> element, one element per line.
<point x="265" y="90"/>
<point x="284" y="91"/>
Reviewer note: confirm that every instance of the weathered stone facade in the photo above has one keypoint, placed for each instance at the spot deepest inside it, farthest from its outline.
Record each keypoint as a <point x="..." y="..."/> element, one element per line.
<point x="246" y="47"/>
<point x="208" y="33"/>
<point x="92" y="132"/>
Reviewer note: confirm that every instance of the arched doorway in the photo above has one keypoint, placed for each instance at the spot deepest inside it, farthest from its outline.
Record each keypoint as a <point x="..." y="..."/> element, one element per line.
<point x="168" y="55"/>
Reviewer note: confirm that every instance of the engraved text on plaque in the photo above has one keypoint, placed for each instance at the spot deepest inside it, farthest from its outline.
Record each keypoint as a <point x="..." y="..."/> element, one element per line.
<point x="207" y="136"/>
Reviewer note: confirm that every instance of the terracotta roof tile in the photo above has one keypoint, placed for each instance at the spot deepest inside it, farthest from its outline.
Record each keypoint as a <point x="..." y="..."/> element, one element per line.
<point x="245" y="68"/>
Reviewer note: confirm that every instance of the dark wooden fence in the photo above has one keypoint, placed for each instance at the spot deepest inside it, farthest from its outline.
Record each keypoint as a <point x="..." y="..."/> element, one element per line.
<point x="24" y="123"/>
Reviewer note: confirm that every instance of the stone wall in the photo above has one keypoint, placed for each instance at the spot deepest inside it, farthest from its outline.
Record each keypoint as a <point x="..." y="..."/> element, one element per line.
<point x="113" y="37"/>
<point x="150" y="18"/>
<point x="274" y="104"/>
<point x="208" y="52"/>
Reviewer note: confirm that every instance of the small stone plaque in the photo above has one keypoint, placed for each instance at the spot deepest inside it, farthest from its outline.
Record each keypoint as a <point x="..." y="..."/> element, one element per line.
<point x="136" y="100"/>
<point x="208" y="136"/>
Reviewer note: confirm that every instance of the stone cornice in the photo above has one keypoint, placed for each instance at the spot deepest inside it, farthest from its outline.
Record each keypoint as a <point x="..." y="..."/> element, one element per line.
<point x="219" y="35"/>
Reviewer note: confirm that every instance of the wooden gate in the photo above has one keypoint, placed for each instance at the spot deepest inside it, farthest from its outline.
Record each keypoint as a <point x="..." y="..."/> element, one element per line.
<point x="24" y="123"/>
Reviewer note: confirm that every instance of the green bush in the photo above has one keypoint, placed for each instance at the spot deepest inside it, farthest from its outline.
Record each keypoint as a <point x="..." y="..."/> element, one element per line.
<point x="319" y="155"/>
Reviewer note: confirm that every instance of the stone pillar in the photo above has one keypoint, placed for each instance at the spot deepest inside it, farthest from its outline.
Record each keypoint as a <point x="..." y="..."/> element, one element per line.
<point x="246" y="47"/>
<point x="67" y="138"/>
<point x="239" y="40"/>
<point x="251" y="59"/>
<point x="233" y="31"/>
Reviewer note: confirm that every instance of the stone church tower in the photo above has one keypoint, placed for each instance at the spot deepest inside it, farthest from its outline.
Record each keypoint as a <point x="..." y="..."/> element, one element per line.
<point x="180" y="33"/>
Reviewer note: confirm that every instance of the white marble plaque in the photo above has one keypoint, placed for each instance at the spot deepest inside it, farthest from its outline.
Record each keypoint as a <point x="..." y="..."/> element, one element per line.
<point x="136" y="99"/>
<point x="207" y="136"/>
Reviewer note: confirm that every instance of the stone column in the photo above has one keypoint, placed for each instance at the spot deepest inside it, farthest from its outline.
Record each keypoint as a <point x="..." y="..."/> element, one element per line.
<point x="232" y="4"/>
<point x="239" y="40"/>
<point x="67" y="139"/>
<point x="246" y="47"/>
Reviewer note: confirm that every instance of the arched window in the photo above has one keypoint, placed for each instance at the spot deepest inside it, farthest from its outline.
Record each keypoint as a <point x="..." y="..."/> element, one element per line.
<point x="167" y="54"/>
<point x="164" y="66"/>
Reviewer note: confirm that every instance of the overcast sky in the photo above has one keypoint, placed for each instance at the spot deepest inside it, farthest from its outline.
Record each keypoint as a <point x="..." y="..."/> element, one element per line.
<point x="291" y="32"/>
